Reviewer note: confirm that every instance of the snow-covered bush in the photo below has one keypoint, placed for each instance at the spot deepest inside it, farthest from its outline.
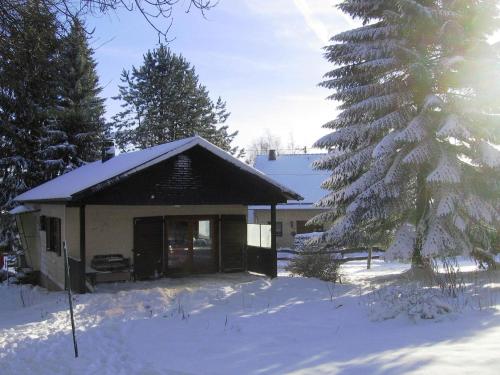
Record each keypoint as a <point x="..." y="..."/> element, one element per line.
<point x="411" y="300"/>
<point x="312" y="260"/>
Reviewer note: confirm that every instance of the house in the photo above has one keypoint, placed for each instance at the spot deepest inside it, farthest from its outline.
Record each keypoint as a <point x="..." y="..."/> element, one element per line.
<point x="295" y="171"/>
<point x="174" y="209"/>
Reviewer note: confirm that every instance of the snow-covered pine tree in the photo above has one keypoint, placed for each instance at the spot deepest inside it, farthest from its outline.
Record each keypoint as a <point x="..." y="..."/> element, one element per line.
<point x="75" y="135"/>
<point x="163" y="101"/>
<point x="28" y="97"/>
<point x="413" y="157"/>
<point x="220" y="132"/>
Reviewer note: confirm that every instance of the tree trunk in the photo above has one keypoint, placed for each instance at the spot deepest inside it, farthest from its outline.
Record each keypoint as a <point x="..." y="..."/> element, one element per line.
<point x="420" y="212"/>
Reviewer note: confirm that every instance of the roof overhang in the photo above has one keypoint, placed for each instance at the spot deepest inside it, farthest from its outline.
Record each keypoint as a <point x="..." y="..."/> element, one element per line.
<point x="23" y="209"/>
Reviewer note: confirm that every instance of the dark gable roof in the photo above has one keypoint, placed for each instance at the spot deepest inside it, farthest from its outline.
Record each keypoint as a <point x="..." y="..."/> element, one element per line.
<point x="66" y="186"/>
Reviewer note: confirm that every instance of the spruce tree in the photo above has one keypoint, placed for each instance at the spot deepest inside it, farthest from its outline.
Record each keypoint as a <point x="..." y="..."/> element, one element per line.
<point x="76" y="134"/>
<point x="28" y="99"/>
<point x="163" y="101"/>
<point x="412" y="154"/>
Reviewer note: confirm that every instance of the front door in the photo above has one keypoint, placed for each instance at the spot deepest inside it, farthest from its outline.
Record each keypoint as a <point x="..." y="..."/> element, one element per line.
<point x="191" y="245"/>
<point x="148" y="247"/>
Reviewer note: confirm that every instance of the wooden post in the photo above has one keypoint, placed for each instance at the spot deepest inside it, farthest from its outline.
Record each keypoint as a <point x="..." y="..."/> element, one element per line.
<point x="67" y="283"/>
<point x="273" y="242"/>
<point x="369" y="261"/>
<point x="82" y="250"/>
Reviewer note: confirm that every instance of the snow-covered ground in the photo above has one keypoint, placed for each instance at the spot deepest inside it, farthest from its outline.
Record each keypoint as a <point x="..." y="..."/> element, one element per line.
<point x="245" y="324"/>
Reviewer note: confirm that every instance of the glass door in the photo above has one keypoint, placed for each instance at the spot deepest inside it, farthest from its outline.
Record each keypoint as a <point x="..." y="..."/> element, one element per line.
<point x="190" y="245"/>
<point x="203" y="246"/>
<point x="178" y="246"/>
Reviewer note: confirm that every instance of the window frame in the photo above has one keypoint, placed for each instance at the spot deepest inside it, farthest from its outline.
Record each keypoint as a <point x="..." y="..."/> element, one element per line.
<point x="53" y="240"/>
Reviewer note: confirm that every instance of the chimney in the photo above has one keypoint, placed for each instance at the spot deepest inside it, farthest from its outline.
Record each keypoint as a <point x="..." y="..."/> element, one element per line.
<point x="272" y="155"/>
<point x="108" y="150"/>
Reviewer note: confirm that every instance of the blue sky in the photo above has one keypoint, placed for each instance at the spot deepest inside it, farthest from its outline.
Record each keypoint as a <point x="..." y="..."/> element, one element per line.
<point x="263" y="57"/>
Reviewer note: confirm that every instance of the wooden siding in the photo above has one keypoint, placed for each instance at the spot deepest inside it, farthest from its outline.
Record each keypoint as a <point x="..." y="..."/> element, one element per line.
<point x="192" y="178"/>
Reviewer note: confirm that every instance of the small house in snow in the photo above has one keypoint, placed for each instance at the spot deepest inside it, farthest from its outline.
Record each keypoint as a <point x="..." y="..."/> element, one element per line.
<point x="174" y="209"/>
<point x="295" y="171"/>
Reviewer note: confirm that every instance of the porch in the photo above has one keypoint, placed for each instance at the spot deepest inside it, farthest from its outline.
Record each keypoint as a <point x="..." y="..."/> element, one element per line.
<point x="167" y="241"/>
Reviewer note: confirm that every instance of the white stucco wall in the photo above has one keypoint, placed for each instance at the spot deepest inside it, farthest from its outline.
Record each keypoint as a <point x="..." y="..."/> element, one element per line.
<point x="52" y="264"/>
<point x="110" y="229"/>
<point x="288" y="218"/>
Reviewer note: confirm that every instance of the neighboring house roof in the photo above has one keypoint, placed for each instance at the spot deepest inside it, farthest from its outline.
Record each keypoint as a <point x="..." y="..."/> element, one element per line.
<point x="22" y="209"/>
<point x="125" y="164"/>
<point x="295" y="171"/>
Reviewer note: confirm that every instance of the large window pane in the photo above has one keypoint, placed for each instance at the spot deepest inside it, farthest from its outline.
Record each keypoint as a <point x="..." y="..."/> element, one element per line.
<point x="253" y="235"/>
<point x="178" y="243"/>
<point x="203" y="252"/>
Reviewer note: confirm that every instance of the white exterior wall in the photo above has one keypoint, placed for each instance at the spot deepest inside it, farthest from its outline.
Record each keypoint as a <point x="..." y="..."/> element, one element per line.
<point x="51" y="264"/>
<point x="288" y="218"/>
<point x="27" y="224"/>
<point x="110" y="229"/>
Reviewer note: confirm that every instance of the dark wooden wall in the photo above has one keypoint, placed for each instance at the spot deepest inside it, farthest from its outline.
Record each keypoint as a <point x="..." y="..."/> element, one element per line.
<point x="194" y="177"/>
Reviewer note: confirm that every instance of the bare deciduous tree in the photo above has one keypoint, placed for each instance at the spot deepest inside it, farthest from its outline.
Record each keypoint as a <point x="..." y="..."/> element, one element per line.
<point x="262" y="145"/>
<point x="158" y="13"/>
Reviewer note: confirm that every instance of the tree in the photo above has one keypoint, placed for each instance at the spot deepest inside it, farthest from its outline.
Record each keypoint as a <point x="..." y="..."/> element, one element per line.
<point x="28" y="98"/>
<point x="66" y="11"/>
<point x="221" y="135"/>
<point x="76" y="135"/>
<point x="262" y="145"/>
<point x="163" y="101"/>
<point x="418" y="163"/>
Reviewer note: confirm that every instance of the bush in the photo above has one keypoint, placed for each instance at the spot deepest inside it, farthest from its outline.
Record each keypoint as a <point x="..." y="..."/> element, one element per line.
<point x="411" y="300"/>
<point x="313" y="261"/>
<point x="315" y="264"/>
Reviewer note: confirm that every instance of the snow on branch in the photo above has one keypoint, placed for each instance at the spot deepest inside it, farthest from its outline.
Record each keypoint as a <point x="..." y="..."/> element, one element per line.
<point x="415" y="131"/>
<point x="447" y="171"/>
<point x="489" y="154"/>
<point x="403" y="244"/>
<point x="432" y="102"/>
<point x="437" y="240"/>
<point x="446" y="205"/>
<point x="386" y="146"/>
<point x="453" y="128"/>
<point x="419" y="154"/>
<point x="479" y="210"/>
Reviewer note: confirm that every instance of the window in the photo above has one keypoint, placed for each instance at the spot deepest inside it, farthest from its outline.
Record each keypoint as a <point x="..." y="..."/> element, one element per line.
<point x="52" y="227"/>
<point x="302" y="228"/>
<point x="259" y="235"/>
<point x="279" y="228"/>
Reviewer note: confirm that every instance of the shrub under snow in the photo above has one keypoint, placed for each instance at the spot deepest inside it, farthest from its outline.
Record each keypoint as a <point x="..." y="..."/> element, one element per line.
<point x="312" y="260"/>
<point x="411" y="300"/>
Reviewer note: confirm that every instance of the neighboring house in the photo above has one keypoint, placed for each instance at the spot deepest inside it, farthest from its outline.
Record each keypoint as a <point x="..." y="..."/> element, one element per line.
<point x="174" y="209"/>
<point x="295" y="171"/>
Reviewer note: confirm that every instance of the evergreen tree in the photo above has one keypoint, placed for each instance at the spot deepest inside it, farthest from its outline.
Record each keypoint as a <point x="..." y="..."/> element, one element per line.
<point x="28" y="97"/>
<point x="221" y="136"/>
<point x="76" y="135"/>
<point x="163" y="101"/>
<point x="418" y="128"/>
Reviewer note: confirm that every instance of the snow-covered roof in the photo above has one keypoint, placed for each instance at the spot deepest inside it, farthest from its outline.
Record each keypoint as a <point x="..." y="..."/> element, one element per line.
<point x="95" y="173"/>
<point x="22" y="209"/>
<point x="295" y="171"/>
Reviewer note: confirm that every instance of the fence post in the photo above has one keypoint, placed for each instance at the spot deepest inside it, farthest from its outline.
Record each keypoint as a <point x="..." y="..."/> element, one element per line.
<point x="369" y="261"/>
<point x="70" y="298"/>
